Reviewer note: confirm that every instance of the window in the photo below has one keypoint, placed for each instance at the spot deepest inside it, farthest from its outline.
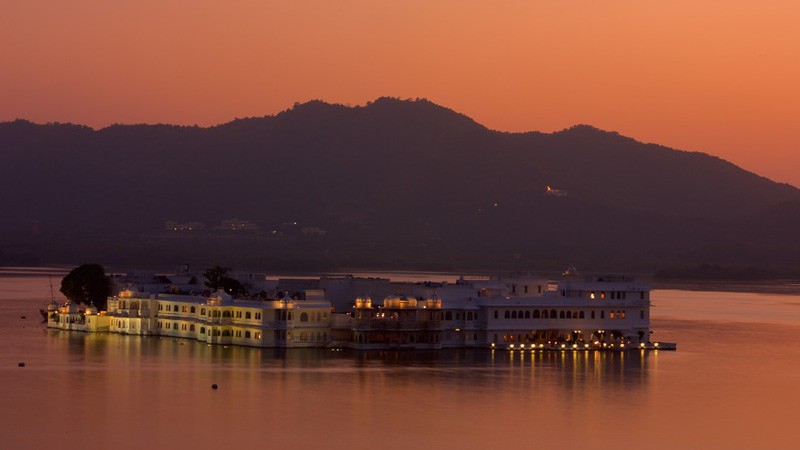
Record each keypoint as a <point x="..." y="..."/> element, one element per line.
<point x="191" y="327"/>
<point x="641" y="314"/>
<point x="192" y="310"/>
<point x="238" y="333"/>
<point x="448" y="316"/>
<point x="535" y="313"/>
<point x="257" y="335"/>
<point x="495" y="314"/>
<point x="592" y="314"/>
<point x="183" y="308"/>
<point x="160" y="307"/>
<point x="561" y="315"/>
<point x="226" y="314"/>
<point x="247" y="334"/>
<point x="248" y="315"/>
<point x="602" y="314"/>
<point x="553" y="314"/>
<point x="519" y="314"/>
<point x="611" y="315"/>
<point x="202" y="311"/>
<point x="175" y="308"/>
<point x="175" y="326"/>
<point x="580" y="315"/>
<point x="526" y="288"/>
<point x="290" y="315"/>
<point x="202" y="330"/>
<point x="513" y="314"/>
<point x="508" y="315"/>
<point x="641" y="295"/>
<point x="569" y="314"/>
<point x="303" y="317"/>
<point x="258" y="316"/>
<point x="238" y="314"/>
<point x="539" y="288"/>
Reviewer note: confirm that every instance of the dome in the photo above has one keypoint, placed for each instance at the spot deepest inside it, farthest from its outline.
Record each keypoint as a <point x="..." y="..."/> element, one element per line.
<point x="90" y="310"/>
<point x="71" y="308"/>
<point x="220" y="298"/>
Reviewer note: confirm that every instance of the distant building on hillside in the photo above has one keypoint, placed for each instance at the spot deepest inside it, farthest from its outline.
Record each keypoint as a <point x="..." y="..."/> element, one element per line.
<point x="552" y="192"/>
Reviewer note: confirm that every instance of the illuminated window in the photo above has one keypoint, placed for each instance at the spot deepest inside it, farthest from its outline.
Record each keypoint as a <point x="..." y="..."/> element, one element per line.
<point x="591" y="295"/>
<point x="611" y="315"/>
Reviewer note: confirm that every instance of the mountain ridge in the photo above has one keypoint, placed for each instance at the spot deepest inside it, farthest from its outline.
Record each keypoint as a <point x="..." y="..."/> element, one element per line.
<point x="407" y="173"/>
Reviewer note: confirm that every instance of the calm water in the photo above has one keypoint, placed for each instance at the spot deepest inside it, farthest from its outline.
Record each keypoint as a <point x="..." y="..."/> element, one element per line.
<point x="733" y="383"/>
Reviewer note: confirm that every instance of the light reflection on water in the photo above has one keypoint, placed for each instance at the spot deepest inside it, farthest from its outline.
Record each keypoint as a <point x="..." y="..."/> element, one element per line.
<point x="732" y="384"/>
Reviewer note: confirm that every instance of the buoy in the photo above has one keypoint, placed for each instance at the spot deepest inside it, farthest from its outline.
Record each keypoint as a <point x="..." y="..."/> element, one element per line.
<point x="22" y="364"/>
<point x="214" y="386"/>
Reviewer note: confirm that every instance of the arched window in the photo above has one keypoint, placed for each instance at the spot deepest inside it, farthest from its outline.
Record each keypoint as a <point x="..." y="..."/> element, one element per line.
<point x="175" y="326"/>
<point x="247" y="334"/>
<point x="226" y="314"/>
<point x="553" y="314"/>
<point x="527" y="314"/>
<point x="621" y="314"/>
<point x="580" y="315"/>
<point x="202" y="311"/>
<point x="519" y="314"/>
<point x="535" y="313"/>
<point x="248" y="315"/>
<point x="611" y="315"/>
<point x="192" y="310"/>
<point x="448" y="316"/>
<point x="175" y="308"/>
<point x="569" y="314"/>
<point x="303" y="317"/>
<point x="513" y="314"/>
<point x="561" y="315"/>
<point x="508" y="315"/>
<point x="191" y="327"/>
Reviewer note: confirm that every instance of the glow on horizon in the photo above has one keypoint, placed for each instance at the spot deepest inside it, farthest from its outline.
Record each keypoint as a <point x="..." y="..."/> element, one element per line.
<point x="718" y="77"/>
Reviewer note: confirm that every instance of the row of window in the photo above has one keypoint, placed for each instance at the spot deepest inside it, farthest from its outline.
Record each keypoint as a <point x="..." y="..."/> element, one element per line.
<point x="469" y="315"/>
<point x="553" y="314"/>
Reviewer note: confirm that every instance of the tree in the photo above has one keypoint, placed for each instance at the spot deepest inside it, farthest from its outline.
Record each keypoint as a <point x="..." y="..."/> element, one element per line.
<point x="217" y="278"/>
<point x="86" y="284"/>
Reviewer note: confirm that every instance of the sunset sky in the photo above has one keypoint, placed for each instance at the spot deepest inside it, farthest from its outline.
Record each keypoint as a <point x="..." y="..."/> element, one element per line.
<point x="722" y="77"/>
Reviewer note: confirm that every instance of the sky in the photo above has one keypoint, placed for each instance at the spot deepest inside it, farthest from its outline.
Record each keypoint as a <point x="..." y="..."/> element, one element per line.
<point x="721" y="77"/>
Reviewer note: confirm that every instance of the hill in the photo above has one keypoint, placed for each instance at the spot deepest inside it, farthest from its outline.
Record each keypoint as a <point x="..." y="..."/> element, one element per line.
<point x="394" y="183"/>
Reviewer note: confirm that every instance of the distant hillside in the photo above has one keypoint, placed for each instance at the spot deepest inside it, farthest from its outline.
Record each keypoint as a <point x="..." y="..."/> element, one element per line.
<point x="392" y="184"/>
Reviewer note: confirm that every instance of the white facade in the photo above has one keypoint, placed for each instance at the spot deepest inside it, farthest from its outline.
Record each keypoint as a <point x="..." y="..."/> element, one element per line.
<point x="515" y="312"/>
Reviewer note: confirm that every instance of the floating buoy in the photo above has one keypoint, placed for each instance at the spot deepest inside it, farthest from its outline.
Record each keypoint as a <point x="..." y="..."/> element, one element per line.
<point x="22" y="364"/>
<point x="214" y="386"/>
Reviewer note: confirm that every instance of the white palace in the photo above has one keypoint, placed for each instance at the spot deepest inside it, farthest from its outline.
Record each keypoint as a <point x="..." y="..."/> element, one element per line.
<point x="515" y="313"/>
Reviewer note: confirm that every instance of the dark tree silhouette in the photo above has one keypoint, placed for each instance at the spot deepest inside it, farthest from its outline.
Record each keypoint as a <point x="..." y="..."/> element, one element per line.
<point x="217" y="278"/>
<point x="87" y="283"/>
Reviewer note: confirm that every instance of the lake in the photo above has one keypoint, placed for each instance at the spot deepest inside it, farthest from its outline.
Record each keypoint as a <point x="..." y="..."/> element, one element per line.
<point x="734" y="382"/>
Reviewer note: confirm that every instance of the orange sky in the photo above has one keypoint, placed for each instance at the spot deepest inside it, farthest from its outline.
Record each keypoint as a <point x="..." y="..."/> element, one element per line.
<point x="721" y="77"/>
